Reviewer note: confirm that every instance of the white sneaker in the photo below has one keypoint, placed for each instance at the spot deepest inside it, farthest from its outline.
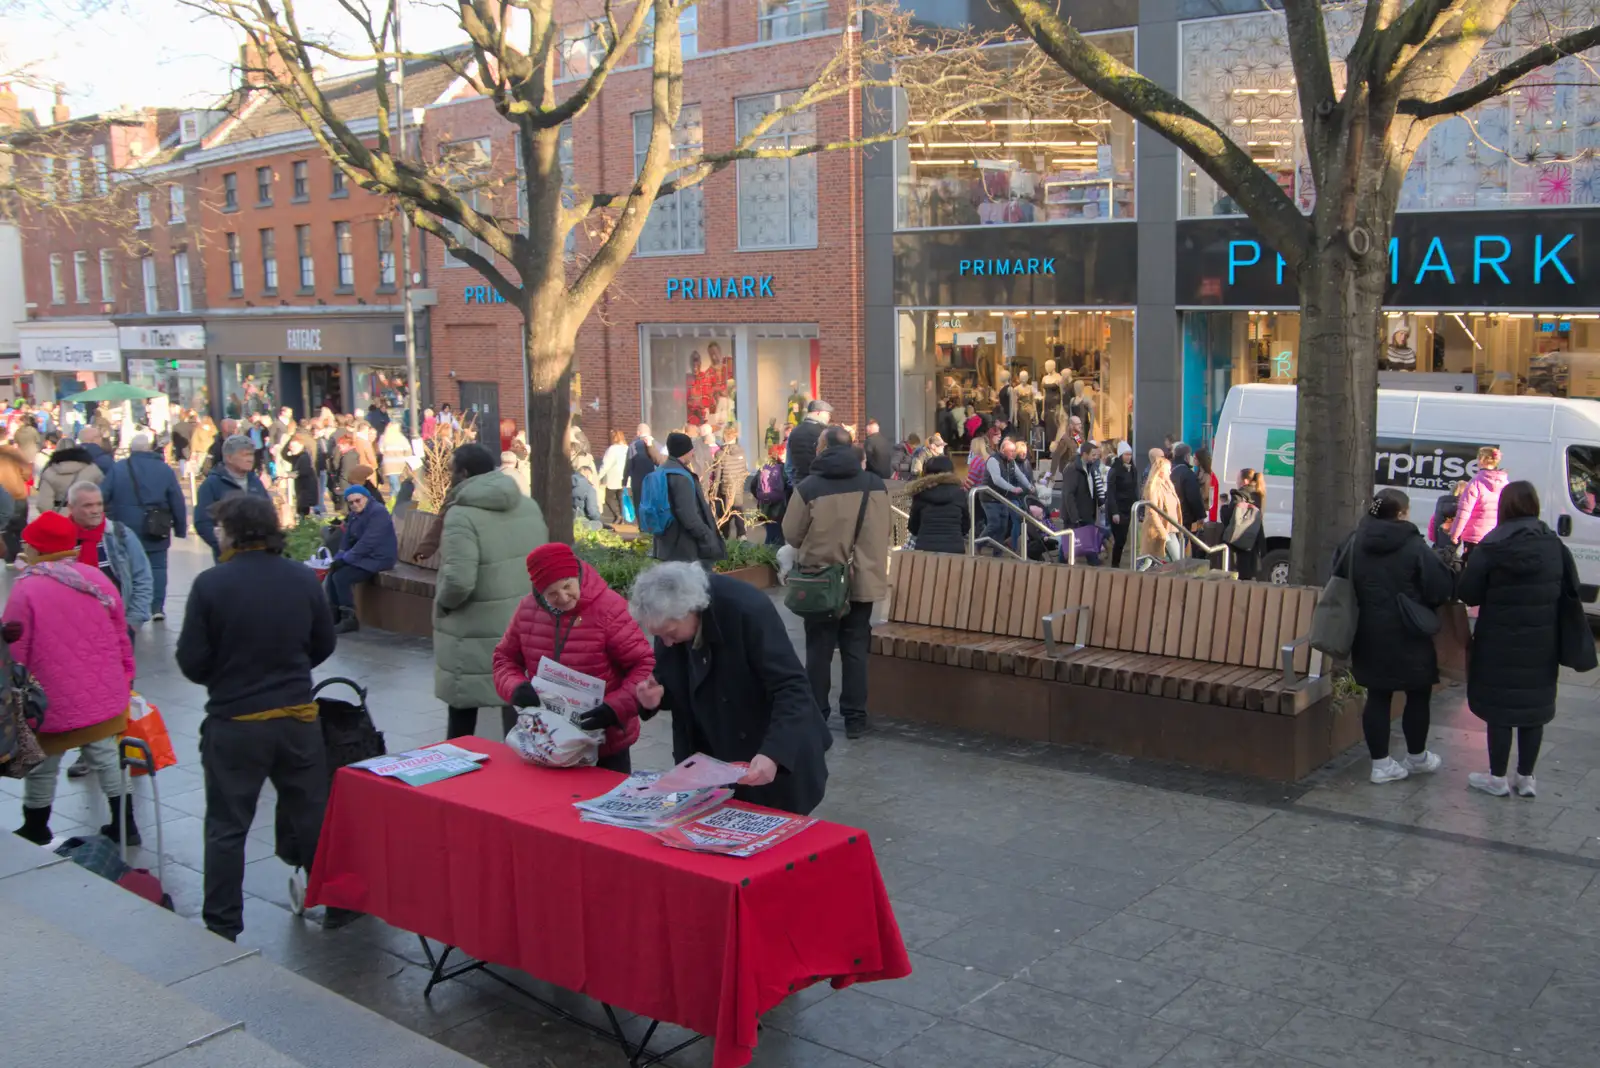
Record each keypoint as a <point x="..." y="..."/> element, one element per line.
<point x="1388" y="770"/>
<point x="297" y="892"/>
<point x="1523" y="785"/>
<point x="1423" y="763"/>
<point x="158" y="617"/>
<point x="1489" y="784"/>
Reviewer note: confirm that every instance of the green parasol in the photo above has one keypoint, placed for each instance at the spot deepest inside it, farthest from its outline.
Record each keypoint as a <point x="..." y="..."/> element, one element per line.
<point x="114" y="393"/>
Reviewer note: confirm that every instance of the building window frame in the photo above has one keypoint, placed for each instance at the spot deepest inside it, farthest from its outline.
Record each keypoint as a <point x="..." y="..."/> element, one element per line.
<point x="345" y="262"/>
<point x="301" y="176"/>
<point x="688" y="35"/>
<point x="269" y="261"/>
<point x="305" y="258"/>
<point x="180" y="278"/>
<point x="80" y="276"/>
<point x="177" y="204"/>
<point x="263" y="187"/>
<point x="74" y="179"/>
<point x="58" y="282"/>
<point x="230" y="191"/>
<point x="337" y="185"/>
<point x="108" y="276"/>
<point x="746" y="169"/>
<point x="784" y="20"/>
<point x="235" y="267"/>
<point x="144" y="212"/>
<point x="692" y="198"/>
<point x="47" y="178"/>
<point x="152" y="284"/>
<point x="102" y="170"/>
<point x="476" y="155"/>
<point x="386" y="259"/>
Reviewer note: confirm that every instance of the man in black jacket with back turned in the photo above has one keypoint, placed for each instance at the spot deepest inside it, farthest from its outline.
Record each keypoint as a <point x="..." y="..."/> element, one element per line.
<point x="254" y="627"/>
<point x="692" y="534"/>
<point x="1187" y="483"/>
<point x="802" y="447"/>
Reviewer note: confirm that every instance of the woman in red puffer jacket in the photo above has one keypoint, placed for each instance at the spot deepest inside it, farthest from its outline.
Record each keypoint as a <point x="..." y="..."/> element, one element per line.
<point x="577" y="620"/>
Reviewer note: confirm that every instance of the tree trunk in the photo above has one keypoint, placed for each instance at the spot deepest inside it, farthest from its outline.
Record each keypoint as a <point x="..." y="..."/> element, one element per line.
<point x="1341" y="331"/>
<point x="549" y="412"/>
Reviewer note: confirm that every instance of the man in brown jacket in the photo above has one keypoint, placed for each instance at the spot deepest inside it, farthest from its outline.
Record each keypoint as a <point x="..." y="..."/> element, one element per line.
<point x="838" y="512"/>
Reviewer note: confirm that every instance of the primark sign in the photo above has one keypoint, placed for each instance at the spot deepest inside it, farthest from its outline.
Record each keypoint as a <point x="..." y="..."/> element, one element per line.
<point x="1512" y="259"/>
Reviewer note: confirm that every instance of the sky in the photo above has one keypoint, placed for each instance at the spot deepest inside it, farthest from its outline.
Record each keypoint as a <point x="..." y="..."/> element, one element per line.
<point x="158" y="52"/>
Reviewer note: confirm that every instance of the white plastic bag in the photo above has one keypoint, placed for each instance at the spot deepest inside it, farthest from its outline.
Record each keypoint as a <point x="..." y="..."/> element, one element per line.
<point x="550" y="740"/>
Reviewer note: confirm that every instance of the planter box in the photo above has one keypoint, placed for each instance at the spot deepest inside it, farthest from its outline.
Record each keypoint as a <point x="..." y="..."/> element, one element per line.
<point x="760" y="576"/>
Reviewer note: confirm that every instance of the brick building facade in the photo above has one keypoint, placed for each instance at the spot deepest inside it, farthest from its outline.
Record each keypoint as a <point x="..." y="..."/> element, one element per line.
<point x="759" y="268"/>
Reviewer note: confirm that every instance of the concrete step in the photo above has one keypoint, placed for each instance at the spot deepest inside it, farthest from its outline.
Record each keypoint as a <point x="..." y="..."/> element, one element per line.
<point x="98" y="976"/>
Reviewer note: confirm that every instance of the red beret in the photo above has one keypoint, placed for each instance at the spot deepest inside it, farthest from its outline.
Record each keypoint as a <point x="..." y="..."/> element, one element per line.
<point x="550" y="563"/>
<point x="51" y="533"/>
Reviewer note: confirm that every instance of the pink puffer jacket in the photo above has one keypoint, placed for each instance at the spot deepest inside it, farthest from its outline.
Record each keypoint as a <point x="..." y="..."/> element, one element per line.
<point x="1479" y="509"/>
<point x="75" y="646"/>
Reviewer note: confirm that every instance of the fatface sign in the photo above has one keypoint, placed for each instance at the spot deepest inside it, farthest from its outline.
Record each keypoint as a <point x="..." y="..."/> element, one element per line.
<point x="1481" y="259"/>
<point x="298" y="340"/>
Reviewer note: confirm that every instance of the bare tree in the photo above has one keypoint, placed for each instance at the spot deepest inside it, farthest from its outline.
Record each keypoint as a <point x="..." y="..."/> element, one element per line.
<point x="1364" y="120"/>
<point x="513" y="53"/>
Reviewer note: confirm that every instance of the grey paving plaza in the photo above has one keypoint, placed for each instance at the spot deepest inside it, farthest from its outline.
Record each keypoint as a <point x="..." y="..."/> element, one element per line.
<point x="1062" y="909"/>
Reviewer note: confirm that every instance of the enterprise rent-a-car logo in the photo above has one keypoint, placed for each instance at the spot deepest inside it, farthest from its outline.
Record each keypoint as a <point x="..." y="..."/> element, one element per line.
<point x="1409" y="463"/>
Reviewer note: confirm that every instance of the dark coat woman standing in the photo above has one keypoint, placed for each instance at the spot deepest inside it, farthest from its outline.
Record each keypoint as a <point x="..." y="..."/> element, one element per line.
<point x="1517" y="576"/>
<point x="940" y="518"/>
<point x="1388" y="560"/>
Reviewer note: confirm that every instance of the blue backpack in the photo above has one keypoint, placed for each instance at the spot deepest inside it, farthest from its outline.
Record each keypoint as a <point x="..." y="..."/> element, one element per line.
<point x="655" y="508"/>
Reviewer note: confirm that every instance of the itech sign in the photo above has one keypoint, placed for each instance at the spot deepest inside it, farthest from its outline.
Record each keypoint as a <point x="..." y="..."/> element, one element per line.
<point x="1405" y="463"/>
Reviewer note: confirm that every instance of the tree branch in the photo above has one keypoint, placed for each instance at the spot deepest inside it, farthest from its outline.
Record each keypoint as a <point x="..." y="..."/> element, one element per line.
<point x="1212" y="150"/>
<point x="1504" y="79"/>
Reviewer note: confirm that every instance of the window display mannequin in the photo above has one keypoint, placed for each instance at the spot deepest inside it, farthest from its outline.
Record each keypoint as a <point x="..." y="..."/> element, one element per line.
<point x="772" y="436"/>
<point x="797" y="403"/>
<point x="702" y="391"/>
<point x="1051" y="389"/>
<point x="1082" y="406"/>
<point x="1026" y="408"/>
<point x="722" y="414"/>
<point x="988" y="365"/>
<point x="1005" y="401"/>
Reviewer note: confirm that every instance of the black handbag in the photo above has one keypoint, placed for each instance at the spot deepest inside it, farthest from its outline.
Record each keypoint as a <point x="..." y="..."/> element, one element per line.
<point x="1574" y="640"/>
<point x="158" y="519"/>
<point x="1418" y="617"/>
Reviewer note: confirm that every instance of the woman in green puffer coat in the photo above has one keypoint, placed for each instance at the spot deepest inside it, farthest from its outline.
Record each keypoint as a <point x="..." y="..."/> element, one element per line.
<point x="489" y="530"/>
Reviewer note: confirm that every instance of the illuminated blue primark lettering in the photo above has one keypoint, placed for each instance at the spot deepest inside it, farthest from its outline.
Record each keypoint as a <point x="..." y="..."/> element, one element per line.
<point x="1443" y="264"/>
<point x="1553" y="257"/>
<point x="1280" y="268"/>
<point x="1234" y="262"/>
<point x="1479" y="259"/>
<point x="1394" y="261"/>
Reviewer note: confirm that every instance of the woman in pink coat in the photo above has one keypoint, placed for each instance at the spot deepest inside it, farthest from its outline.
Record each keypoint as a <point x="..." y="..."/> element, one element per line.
<point x="1480" y="501"/>
<point x="74" y="640"/>
<point x="577" y="620"/>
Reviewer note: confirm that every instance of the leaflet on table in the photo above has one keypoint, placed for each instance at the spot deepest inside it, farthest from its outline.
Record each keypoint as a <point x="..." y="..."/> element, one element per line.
<point x="698" y="772"/>
<point x="629" y="805"/>
<point x="419" y="767"/>
<point x="734" y="832"/>
<point x="565" y="691"/>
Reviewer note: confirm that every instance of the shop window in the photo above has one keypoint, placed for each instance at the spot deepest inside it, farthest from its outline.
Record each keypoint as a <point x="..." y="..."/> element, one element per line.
<point x="782" y="19"/>
<point x="230" y="192"/>
<point x="108" y="277"/>
<point x="1005" y="164"/>
<point x="1533" y="147"/>
<point x="688" y="35"/>
<point x="184" y="384"/>
<point x="383" y="383"/>
<point x="677" y="221"/>
<point x="688" y="377"/>
<point x="249" y="388"/>
<point x="152" y="291"/>
<point x="467" y="167"/>
<point x="777" y="197"/>
<point x="1061" y="361"/>
<point x="80" y="276"/>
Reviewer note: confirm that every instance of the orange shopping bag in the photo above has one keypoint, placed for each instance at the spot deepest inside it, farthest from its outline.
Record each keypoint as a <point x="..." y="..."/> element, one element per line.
<point x="145" y="723"/>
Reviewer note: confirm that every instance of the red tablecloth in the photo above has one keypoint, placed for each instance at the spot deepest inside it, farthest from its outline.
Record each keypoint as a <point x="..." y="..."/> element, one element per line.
<point x="497" y="863"/>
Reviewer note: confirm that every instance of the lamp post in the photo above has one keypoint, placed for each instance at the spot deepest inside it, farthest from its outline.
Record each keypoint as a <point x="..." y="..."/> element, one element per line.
<point x="414" y="427"/>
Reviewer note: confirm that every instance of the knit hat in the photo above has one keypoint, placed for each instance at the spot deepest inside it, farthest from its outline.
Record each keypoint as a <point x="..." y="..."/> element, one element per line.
<point x="550" y="563"/>
<point x="51" y="533"/>
<point x="1124" y="449"/>
<point x="358" y="490"/>
<point x="679" y="445"/>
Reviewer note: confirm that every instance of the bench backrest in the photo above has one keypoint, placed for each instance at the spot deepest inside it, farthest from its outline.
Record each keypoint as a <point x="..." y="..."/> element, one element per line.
<point x="1220" y="621"/>
<point x="411" y="526"/>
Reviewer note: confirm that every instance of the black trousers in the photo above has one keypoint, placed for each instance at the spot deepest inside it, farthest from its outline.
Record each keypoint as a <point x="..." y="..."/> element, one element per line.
<point x="464" y="721"/>
<point x="1414" y="721"/>
<point x="620" y="761"/>
<point x="1529" y="739"/>
<point x="1119" y="540"/>
<point x="237" y="758"/>
<point x="852" y="636"/>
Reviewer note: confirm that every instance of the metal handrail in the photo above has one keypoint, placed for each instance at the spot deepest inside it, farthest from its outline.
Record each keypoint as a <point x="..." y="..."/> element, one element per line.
<point x="1210" y="550"/>
<point x="1027" y="517"/>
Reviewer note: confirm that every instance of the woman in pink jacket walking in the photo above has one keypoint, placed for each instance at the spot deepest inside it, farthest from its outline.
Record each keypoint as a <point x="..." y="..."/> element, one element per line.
<point x="1480" y="502"/>
<point x="74" y="640"/>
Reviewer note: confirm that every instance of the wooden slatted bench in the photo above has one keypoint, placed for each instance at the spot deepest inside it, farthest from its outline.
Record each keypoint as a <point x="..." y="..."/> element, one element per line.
<point x="401" y="599"/>
<point x="1206" y="672"/>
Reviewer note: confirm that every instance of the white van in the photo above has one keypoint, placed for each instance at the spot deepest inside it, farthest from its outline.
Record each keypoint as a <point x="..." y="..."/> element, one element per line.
<point x="1426" y="443"/>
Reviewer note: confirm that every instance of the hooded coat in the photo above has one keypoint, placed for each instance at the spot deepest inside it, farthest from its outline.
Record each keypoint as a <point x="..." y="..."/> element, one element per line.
<point x="1479" y="507"/>
<point x="489" y="531"/>
<point x="66" y="466"/>
<point x="940" y="517"/>
<point x="1516" y="576"/>
<point x="1389" y="557"/>
<point x="369" y="539"/>
<point x="821" y="521"/>
<point x="599" y="638"/>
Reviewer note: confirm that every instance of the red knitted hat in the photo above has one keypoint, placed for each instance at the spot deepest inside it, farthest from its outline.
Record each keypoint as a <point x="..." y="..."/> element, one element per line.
<point x="51" y="533"/>
<point x="550" y="563"/>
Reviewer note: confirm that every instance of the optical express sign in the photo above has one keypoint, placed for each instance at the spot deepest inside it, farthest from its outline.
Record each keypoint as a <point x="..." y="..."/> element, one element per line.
<point x="1406" y="463"/>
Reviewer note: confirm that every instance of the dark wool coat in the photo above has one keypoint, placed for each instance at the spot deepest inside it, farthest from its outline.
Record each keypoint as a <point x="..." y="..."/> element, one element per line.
<point x="741" y="693"/>
<point x="1392" y="558"/>
<point x="1516" y="576"/>
<point x="940" y="518"/>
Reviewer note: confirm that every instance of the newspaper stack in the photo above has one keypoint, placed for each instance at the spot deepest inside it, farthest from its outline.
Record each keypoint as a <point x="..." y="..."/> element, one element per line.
<point x="430" y="764"/>
<point x="630" y="804"/>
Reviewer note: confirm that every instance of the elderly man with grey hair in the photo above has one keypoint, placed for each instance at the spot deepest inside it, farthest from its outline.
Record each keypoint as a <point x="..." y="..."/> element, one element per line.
<point x="142" y="494"/>
<point x="727" y="671"/>
<point x="235" y="474"/>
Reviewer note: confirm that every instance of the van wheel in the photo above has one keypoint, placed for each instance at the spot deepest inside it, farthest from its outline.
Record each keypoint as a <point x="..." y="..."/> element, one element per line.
<point x="1275" y="567"/>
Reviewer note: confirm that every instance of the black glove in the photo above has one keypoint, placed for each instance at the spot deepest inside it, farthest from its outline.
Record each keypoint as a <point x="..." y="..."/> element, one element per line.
<point x="525" y="696"/>
<point x="597" y="718"/>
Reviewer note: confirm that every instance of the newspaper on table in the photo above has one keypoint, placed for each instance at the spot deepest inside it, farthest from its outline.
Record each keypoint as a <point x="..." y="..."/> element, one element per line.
<point x="698" y="772"/>
<point x="419" y="767"/>
<point x="629" y="804"/>
<point x="734" y="832"/>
